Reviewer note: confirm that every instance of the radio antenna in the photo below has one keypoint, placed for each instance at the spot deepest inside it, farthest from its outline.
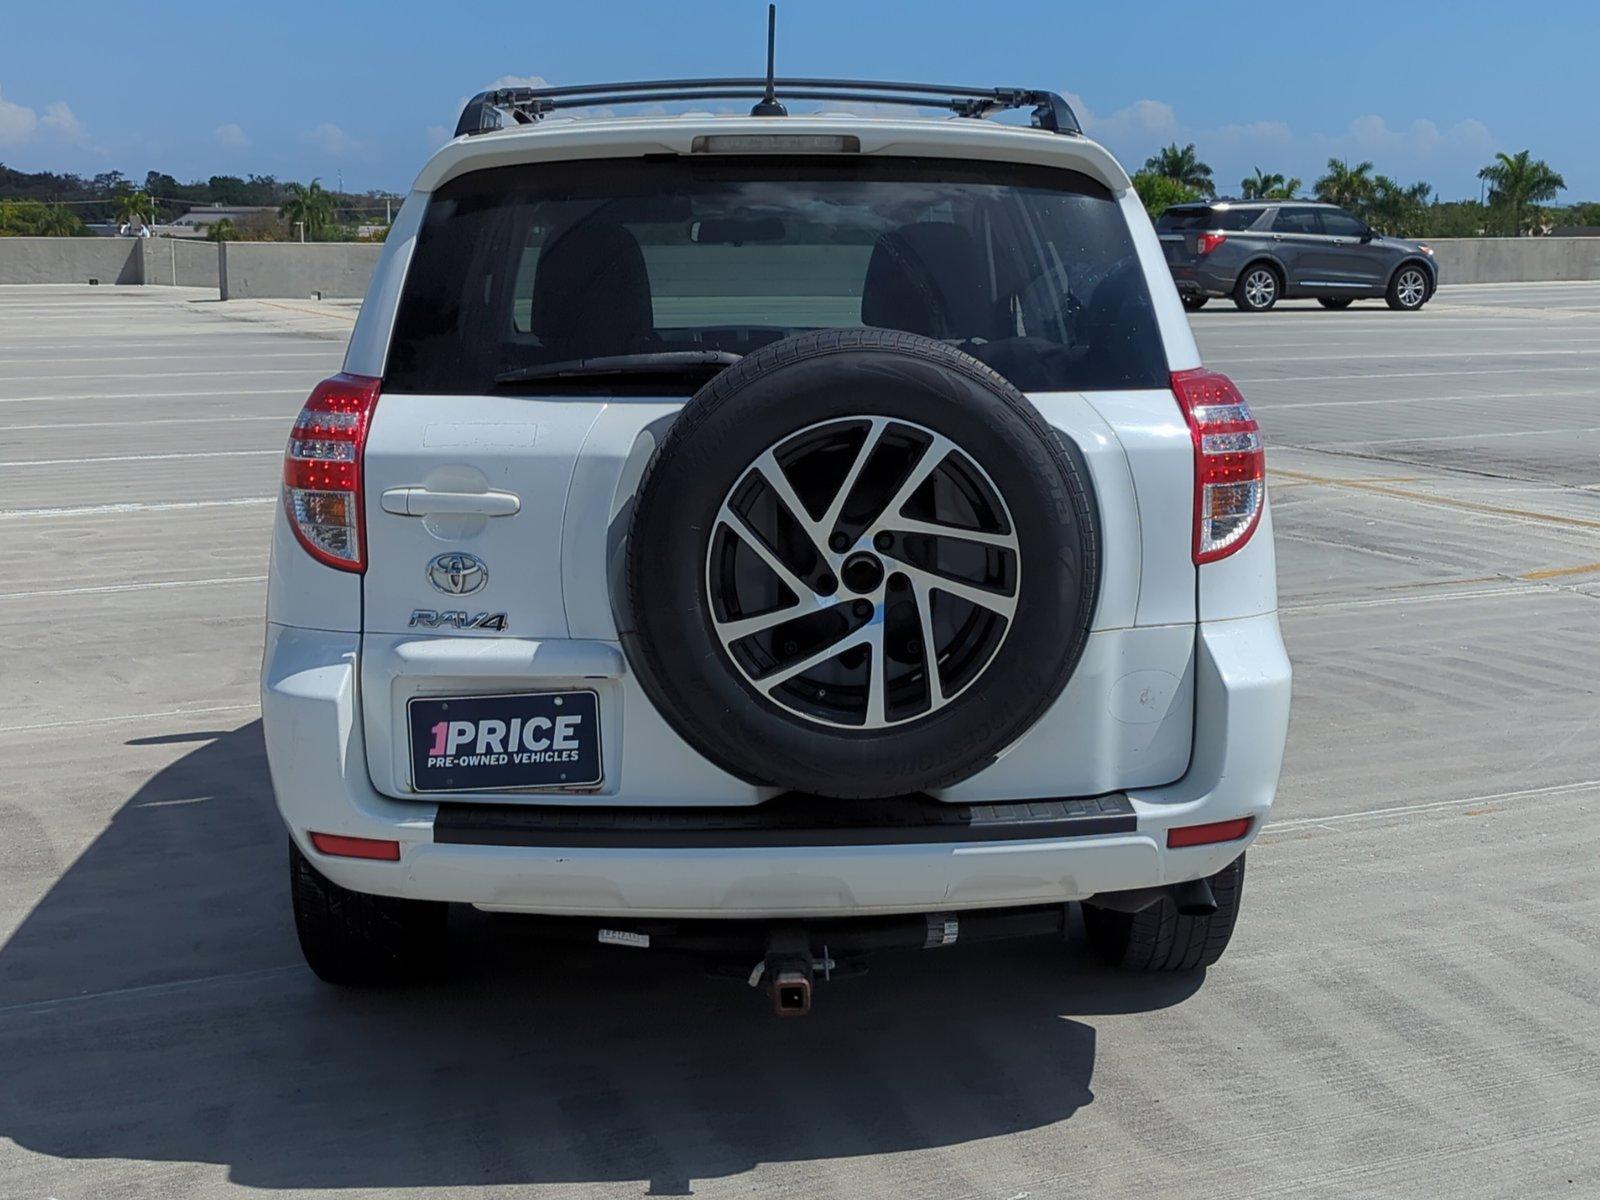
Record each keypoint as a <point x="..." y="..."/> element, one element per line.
<point x="768" y="105"/>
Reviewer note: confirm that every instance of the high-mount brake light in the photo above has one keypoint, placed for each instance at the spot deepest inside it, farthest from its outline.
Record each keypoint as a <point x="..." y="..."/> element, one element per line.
<point x="1230" y="466"/>
<point x="1208" y="242"/>
<point x="322" y="471"/>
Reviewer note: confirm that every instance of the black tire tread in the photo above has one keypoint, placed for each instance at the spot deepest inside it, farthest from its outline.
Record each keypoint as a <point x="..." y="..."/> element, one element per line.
<point x="357" y="940"/>
<point x="1159" y="939"/>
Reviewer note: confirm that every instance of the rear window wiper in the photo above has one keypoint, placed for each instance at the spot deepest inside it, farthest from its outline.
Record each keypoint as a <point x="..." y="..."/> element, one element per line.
<point x="674" y="365"/>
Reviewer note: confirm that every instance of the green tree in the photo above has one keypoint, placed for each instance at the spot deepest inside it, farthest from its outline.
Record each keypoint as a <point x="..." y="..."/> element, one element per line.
<point x="1181" y="166"/>
<point x="31" y="218"/>
<point x="1396" y="210"/>
<point x="1159" y="193"/>
<point x="131" y="204"/>
<point x="1516" y="183"/>
<point x="1261" y="186"/>
<point x="1347" y="186"/>
<point x="308" y="204"/>
<point x="221" y="231"/>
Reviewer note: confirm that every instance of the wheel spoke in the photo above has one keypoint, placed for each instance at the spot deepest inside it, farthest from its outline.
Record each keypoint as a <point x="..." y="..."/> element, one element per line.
<point x="831" y="517"/>
<point x="1006" y="541"/>
<point x="930" y="652"/>
<point x="938" y="450"/>
<point x="783" y="674"/>
<point x="769" y="470"/>
<point x="743" y="627"/>
<point x="740" y="529"/>
<point x="877" y="675"/>
<point x="995" y="602"/>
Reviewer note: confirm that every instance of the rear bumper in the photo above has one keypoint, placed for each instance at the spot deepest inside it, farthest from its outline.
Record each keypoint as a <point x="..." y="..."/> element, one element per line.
<point x="318" y="762"/>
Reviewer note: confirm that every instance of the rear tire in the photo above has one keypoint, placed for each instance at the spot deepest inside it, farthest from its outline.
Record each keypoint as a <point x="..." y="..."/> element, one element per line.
<point x="1194" y="303"/>
<point x="1258" y="288"/>
<point x="1158" y="939"/>
<point x="1410" y="288"/>
<point x="357" y="940"/>
<point x="1336" y="302"/>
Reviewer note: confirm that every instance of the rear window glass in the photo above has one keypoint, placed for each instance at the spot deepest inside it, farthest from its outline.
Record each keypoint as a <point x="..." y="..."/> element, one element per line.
<point x="1031" y="270"/>
<point x="1182" y="220"/>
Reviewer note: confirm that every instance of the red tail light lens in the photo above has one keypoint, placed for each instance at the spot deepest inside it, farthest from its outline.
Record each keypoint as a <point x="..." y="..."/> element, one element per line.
<point x="1208" y="835"/>
<point x="322" y="471"/>
<point x="1208" y="242"/>
<point x="356" y="847"/>
<point x="1230" y="467"/>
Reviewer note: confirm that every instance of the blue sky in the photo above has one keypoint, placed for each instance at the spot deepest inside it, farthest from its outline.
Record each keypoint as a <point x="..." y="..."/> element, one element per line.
<point x="1425" y="90"/>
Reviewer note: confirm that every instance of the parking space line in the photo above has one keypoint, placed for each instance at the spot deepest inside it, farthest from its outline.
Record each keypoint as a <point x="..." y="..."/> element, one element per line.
<point x="1357" y="378"/>
<point x="100" y="510"/>
<point x="1454" y="437"/>
<point x="1443" y="501"/>
<point x="148" y="989"/>
<point x="151" y="586"/>
<point x="230" y="370"/>
<point x="1405" y="810"/>
<point x="229" y="419"/>
<point x="144" y="716"/>
<point x="117" y="458"/>
<point x="216" y="393"/>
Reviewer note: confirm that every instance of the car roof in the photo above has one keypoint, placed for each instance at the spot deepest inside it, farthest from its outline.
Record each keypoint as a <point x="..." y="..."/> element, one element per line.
<point x="556" y="139"/>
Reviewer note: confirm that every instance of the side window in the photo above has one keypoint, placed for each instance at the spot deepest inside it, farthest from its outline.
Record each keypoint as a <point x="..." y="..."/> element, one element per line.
<point x="1296" y="220"/>
<point x="1337" y="223"/>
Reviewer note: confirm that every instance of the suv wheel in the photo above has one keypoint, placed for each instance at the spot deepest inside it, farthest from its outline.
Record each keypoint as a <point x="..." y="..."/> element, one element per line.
<point x="1194" y="303"/>
<point x="1159" y="939"/>
<point x="1258" y="288"/>
<point x="1408" y="290"/>
<point x="860" y="564"/>
<point x="356" y="940"/>
<point x="1336" y="302"/>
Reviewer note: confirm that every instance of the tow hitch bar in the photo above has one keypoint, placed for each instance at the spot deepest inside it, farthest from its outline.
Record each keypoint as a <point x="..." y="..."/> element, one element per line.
<point x="787" y="970"/>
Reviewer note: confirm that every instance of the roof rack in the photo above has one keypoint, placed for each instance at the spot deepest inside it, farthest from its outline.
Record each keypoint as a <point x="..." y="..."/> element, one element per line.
<point x="525" y="105"/>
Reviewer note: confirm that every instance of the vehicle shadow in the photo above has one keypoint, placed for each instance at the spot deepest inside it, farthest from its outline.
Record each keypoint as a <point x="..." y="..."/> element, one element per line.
<point x="153" y="1007"/>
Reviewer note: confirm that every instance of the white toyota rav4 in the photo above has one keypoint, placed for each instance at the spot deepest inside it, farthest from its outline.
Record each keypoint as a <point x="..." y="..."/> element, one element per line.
<point x="797" y="534"/>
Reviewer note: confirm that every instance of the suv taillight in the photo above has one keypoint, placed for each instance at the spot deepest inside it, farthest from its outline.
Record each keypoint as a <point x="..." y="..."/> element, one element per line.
<point x="1207" y="242"/>
<point x="1230" y="467"/>
<point x="322" y="471"/>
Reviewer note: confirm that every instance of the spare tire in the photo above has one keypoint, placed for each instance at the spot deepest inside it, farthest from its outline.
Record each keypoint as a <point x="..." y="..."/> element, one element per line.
<point x="819" y="517"/>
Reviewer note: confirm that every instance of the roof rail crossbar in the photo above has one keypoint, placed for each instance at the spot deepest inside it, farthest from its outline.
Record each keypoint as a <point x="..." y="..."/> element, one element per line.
<point x="525" y="105"/>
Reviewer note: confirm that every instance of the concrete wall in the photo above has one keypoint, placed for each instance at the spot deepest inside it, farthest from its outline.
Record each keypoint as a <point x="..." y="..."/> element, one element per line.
<point x="69" y="260"/>
<point x="286" y="269"/>
<point x="1516" y="260"/>
<point x="179" y="262"/>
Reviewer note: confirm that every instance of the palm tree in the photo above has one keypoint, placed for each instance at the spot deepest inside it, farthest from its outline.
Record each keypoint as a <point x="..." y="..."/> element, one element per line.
<point x="59" y="221"/>
<point x="135" y="204"/>
<point x="1515" y="183"/>
<point x="1397" y="210"/>
<point x="1261" y="186"/>
<point x="1347" y="186"/>
<point x="1182" y="166"/>
<point x="308" y="205"/>
<point x="220" y="231"/>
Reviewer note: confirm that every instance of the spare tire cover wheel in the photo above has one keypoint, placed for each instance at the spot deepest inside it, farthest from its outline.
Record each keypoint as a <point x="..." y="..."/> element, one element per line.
<point x="860" y="564"/>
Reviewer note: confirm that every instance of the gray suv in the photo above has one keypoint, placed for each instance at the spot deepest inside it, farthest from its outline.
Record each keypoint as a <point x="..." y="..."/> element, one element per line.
<point x="1259" y="251"/>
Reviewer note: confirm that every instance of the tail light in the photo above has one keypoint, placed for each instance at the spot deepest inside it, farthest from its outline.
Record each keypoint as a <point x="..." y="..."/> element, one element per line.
<point x="1230" y="467"/>
<point x="322" y="471"/>
<point x="1207" y="242"/>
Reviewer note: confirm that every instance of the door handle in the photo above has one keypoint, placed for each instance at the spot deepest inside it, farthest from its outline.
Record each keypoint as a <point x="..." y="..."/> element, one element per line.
<point x="423" y="502"/>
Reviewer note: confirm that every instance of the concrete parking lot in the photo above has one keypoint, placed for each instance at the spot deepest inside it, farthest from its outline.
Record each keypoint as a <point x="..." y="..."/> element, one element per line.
<point x="1408" y="1009"/>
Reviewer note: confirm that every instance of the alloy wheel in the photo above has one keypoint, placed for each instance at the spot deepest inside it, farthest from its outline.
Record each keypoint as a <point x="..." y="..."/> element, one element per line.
<point x="862" y="572"/>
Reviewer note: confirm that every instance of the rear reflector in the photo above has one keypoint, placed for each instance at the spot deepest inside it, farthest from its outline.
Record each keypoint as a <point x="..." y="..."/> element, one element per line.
<point x="354" y="847"/>
<point x="1206" y="835"/>
<point x="1207" y="242"/>
<point x="322" y="471"/>
<point x="1230" y="467"/>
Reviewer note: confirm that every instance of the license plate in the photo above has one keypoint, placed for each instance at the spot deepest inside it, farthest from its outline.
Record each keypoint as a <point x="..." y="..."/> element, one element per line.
<point x="500" y="743"/>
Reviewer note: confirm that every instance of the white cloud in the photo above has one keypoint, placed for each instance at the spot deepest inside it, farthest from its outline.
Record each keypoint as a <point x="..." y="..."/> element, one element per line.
<point x="332" y="140"/>
<point x="232" y="136"/>
<point x="20" y="124"/>
<point x="61" y="122"/>
<point x="510" y="81"/>
<point x="17" y="122"/>
<point x="436" y="135"/>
